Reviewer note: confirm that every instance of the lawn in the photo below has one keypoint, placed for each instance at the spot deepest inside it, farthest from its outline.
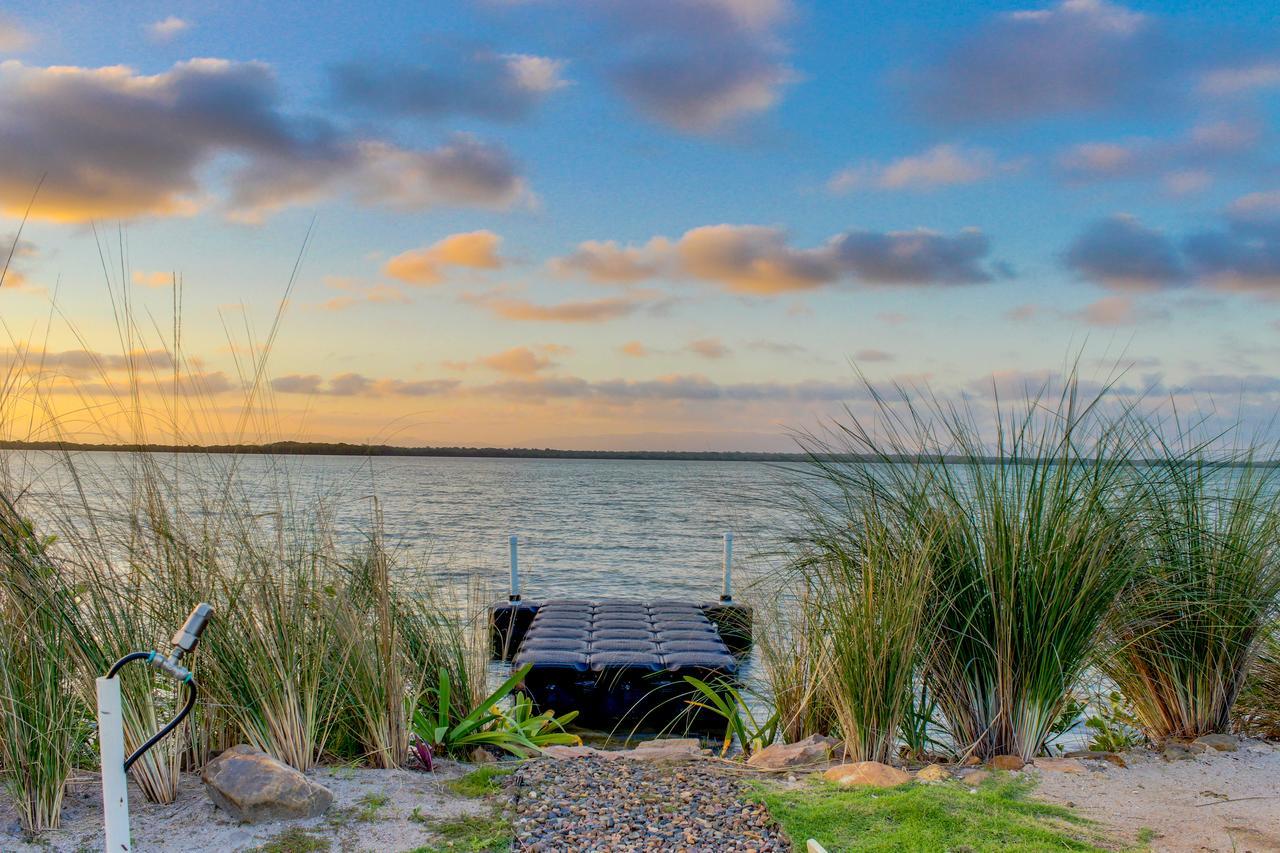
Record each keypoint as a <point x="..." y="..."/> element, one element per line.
<point x="949" y="816"/>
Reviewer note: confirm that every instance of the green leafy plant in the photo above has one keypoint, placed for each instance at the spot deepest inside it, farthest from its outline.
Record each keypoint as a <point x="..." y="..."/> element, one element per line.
<point x="1112" y="725"/>
<point x="517" y="730"/>
<point x="741" y="724"/>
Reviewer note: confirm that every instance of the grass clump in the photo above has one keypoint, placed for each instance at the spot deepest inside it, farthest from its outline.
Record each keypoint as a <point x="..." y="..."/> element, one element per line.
<point x="295" y="840"/>
<point x="488" y="833"/>
<point x="1186" y="629"/>
<point x="481" y="782"/>
<point x="999" y="816"/>
<point x="1257" y="712"/>
<point x="872" y="605"/>
<point x="1017" y="536"/>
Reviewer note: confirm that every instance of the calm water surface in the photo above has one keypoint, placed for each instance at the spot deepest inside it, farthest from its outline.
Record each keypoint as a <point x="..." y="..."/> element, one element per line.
<point x="587" y="527"/>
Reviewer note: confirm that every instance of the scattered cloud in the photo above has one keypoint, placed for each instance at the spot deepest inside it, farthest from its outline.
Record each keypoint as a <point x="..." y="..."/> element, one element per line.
<point x="522" y="361"/>
<point x="427" y="266"/>
<point x="156" y="280"/>
<point x="84" y="364"/>
<point x="1241" y="80"/>
<point x="1183" y="161"/>
<point x="168" y="29"/>
<point x="1121" y="253"/>
<point x="608" y="262"/>
<point x="873" y="355"/>
<point x="712" y="348"/>
<point x="581" y="311"/>
<point x="1113" y="311"/>
<point x="483" y="84"/>
<point x="1074" y="56"/>
<point x="13" y="36"/>
<point x="776" y="347"/>
<point x="356" y="384"/>
<point x="1241" y="254"/>
<point x="698" y="66"/>
<point x="356" y="292"/>
<point x="940" y="166"/>
<point x="116" y="144"/>
<point x="635" y="349"/>
<point x="759" y="260"/>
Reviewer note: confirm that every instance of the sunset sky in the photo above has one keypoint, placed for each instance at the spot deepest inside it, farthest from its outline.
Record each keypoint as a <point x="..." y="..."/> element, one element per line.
<point x="665" y="224"/>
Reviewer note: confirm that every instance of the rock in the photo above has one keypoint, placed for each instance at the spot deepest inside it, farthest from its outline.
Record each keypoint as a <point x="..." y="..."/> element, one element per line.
<point x="670" y="743"/>
<point x="933" y="773"/>
<point x="254" y="787"/>
<point x="871" y="774"/>
<point x="665" y="751"/>
<point x="560" y="751"/>
<point x="1007" y="762"/>
<point x="1098" y="755"/>
<point x="1219" y="742"/>
<point x="814" y="749"/>
<point x="977" y="777"/>
<point x="480" y="755"/>
<point x="1059" y="765"/>
<point x="1178" y="752"/>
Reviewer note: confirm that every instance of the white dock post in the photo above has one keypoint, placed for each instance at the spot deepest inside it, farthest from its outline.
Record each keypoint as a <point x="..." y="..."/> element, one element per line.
<point x="115" y="790"/>
<point x="727" y="594"/>
<point x="513" y="545"/>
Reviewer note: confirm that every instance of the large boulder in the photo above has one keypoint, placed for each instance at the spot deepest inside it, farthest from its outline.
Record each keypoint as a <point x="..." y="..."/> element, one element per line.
<point x="254" y="787"/>
<point x="815" y="749"/>
<point x="869" y="774"/>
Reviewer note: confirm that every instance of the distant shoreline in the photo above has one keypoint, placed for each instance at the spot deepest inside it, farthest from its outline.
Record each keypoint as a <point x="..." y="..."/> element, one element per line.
<point x="320" y="448"/>
<point x="317" y="448"/>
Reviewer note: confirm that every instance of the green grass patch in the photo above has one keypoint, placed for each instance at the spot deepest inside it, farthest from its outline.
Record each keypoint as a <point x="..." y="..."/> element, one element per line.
<point x="945" y="817"/>
<point x="294" y="840"/>
<point x="489" y="833"/>
<point x="482" y="782"/>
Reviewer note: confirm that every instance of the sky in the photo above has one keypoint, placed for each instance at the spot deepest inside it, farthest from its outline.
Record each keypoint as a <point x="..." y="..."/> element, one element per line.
<point x="676" y="224"/>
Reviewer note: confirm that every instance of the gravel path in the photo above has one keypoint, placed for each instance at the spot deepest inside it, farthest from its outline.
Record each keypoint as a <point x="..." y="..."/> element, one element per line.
<point x="604" y="804"/>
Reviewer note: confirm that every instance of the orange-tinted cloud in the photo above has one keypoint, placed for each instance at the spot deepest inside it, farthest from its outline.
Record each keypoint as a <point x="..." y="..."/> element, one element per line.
<point x="356" y="292"/>
<point x="426" y="266"/>
<point x="712" y="348"/>
<point x="635" y="349"/>
<point x="518" y="361"/>
<point x="582" y="311"/>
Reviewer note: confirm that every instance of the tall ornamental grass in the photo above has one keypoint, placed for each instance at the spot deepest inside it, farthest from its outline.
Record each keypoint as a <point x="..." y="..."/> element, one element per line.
<point x="1184" y="632"/>
<point x="1023" y="528"/>
<point x="1257" y="711"/>
<point x="872" y="606"/>
<point x="41" y="722"/>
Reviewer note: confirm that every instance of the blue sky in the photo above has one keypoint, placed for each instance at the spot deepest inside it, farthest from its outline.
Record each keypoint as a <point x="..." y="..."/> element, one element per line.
<point x="661" y="224"/>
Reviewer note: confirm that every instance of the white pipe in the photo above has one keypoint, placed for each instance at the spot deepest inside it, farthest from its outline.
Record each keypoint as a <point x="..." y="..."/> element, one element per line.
<point x="115" y="788"/>
<point x="727" y="595"/>
<point x="513" y="544"/>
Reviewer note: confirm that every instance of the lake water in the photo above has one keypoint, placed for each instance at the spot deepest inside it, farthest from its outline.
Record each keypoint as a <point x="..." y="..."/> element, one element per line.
<point x="587" y="528"/>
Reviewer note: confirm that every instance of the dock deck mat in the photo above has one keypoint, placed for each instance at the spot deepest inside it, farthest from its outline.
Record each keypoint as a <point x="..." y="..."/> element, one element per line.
<point x="621" y="662"/>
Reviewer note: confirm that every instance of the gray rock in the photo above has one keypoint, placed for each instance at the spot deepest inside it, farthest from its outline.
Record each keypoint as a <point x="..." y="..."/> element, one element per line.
<point x="1219" y="742"/>
<point x="1178" y="752"/>
<point x="815" y="749"/>
<point x="254" y="787"/>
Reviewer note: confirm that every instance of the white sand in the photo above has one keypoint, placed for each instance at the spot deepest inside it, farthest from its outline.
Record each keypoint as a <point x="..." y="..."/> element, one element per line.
<point x="1226" y="801"/>
<point x="192" y="823"/>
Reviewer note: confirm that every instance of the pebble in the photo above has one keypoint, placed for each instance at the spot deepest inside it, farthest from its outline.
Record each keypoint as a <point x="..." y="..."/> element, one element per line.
<point x="600" y="804"/>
